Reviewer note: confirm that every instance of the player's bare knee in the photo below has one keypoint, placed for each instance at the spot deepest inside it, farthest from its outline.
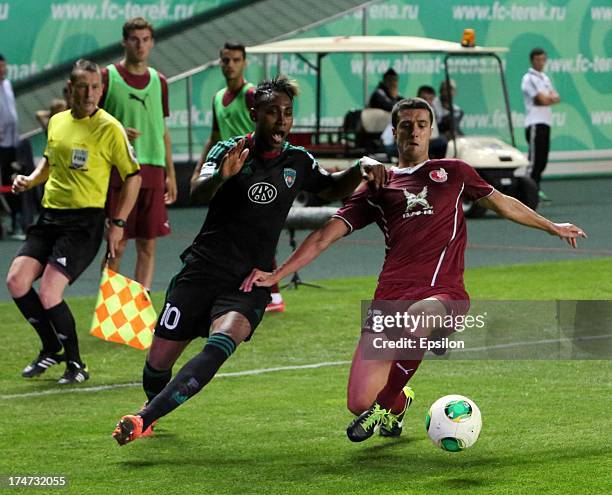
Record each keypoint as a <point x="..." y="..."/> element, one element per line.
<point x="16" y="284"/>
<point x="49" y="297"/>
<point x="430" y="313"/>
<point x="163" y="353"/>
<point x="161" y="362"/>
<point x="233" y="324"/>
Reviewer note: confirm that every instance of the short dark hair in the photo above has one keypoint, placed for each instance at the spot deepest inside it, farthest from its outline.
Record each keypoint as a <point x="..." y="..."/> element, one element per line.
<point x="410" y="104"/>
<point x="83" y="65"/>
<point x="535" y="52"/>
<point x="390" y="73"/>
<point x="233" y="45"/>
<point x="136" y="23"/>
<point x="426" y="89"/>
<point x="2" y="59"/>
<point x="280" y="84"/>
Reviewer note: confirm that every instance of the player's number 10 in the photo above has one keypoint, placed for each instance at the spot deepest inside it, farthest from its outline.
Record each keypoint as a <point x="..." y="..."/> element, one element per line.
<point x="170" y="317"/>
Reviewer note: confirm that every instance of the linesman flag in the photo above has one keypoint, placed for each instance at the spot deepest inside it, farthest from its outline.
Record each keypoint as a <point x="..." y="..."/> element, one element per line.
<point x="124" y="312"/>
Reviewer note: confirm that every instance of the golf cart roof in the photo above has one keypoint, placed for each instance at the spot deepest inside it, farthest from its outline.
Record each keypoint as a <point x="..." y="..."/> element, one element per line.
<point x="369" y="44"/>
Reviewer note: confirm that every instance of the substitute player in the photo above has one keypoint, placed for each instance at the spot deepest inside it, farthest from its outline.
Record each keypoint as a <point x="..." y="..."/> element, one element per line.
<point x="231" y="111"/>
<point x="137" y="95"/>
<point x="250" y="183"/>
<point x="83" y="143"/>
<point x="419" y="212"/>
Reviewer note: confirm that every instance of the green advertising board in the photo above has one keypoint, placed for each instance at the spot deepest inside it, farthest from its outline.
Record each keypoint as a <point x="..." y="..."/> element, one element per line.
<point x="576" y="34"/>
<point x="39" y="34"/>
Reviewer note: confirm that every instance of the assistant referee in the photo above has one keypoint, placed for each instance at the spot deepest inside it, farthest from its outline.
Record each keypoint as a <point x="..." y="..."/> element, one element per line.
<point x="83" y="144"/>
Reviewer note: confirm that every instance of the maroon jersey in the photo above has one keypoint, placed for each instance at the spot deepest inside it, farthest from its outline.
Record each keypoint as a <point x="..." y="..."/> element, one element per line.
<point x="420" y="214"/>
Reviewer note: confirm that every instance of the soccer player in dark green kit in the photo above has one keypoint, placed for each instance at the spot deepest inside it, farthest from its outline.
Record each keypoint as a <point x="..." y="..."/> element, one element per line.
<point x="250" y="183"/>
<point x="231" y="116"/>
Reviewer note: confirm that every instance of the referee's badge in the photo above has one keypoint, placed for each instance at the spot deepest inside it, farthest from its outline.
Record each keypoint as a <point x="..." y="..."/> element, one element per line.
<point x="79" y="159"/>
<point x="289" y="174"/>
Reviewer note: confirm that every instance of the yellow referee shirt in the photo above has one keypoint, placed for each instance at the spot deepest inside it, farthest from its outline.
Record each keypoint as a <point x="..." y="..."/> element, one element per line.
<point x="81" y="153"/>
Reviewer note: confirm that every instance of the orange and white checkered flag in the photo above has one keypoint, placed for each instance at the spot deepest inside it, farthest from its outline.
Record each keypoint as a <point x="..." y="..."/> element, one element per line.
<point x="124" y="312"/>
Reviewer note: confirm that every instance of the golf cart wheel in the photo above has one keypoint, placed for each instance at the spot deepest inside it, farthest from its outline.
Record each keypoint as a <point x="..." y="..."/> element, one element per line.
<point x="472" y="210"/>
<point x="527" y="192"/>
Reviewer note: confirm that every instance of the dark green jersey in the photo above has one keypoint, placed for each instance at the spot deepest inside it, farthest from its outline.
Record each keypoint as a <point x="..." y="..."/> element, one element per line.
<point x="248" y="212"/>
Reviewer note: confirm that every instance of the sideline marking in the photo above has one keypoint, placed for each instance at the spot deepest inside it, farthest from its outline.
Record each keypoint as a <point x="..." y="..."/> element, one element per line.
<point x="138" y="384"/>
<point x="262" y="371"/>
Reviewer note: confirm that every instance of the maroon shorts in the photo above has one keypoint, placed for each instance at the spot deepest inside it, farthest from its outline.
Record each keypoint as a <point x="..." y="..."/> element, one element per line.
<point x="149" y="217"/>
<point x="455" y="299"/>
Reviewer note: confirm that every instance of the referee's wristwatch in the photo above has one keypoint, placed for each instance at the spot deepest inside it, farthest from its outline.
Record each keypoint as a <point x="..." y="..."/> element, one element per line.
<point x="118" y="222"/>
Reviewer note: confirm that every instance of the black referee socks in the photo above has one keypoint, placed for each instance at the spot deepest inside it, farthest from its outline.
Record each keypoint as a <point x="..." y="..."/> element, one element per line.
<point x="62" y="320"/>
<point x="32" y="309"/>
<point x="190" y="379"/>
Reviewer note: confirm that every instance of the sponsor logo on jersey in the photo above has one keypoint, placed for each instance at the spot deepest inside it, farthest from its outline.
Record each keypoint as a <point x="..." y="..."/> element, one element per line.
<point x="79" y="159"/>
<point x="140" y="100"/>
<point x="417" y="204"/>
<point x="262" y="193"/>
<point x="62" y="261"/>
<point x="289" y="175"/>
<point x="438" y="175"/>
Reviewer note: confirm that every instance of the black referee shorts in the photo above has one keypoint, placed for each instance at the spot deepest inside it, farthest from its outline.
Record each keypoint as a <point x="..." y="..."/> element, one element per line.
<point x="194" y="300"/>
<point x="67" y="239"/>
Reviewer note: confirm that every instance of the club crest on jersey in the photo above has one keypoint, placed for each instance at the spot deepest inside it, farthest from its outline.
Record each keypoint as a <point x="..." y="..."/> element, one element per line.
<point x="262" y="193"/>
<point x="417" y="204"/>
<point x="438" y="175"/>
<point x="289" y="175"/>
<point x="79" y="159"/>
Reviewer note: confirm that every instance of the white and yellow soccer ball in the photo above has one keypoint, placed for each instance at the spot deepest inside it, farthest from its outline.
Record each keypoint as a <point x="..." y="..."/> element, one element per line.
<point x="453" y="423"/>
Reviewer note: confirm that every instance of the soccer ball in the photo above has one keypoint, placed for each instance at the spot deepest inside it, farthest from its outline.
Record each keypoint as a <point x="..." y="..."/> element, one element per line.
<point x="453" y="423"/>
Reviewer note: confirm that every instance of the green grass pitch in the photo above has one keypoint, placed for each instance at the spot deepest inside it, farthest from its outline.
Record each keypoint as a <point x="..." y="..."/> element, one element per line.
<point x="547" y="426"/>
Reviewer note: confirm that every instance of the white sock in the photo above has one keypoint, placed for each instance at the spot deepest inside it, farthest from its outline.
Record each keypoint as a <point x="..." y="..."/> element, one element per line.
<point x="277" y="298"/>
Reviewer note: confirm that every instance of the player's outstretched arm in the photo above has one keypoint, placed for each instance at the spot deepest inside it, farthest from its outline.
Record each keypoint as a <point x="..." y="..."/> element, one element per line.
<point x="317" y="242"/>
<point x="512" y="209"/>
<point x="346" y="182"/>
<point x="206" y="185"/>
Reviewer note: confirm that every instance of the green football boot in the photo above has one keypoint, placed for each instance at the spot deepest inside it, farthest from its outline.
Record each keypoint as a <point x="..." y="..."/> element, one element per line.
<point x="392" y="426"/>
<point x="364" y="425"/>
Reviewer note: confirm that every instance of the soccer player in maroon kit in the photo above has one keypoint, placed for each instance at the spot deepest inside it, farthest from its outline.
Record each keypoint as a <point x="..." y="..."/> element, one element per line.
<point x="137" y="96"/>
<point x="419" y="212"/>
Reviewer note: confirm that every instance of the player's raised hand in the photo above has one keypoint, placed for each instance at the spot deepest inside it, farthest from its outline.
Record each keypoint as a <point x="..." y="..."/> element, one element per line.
<point x="233" y="160"/>
<point x="21" y="183"/>
<point x="258" y="278"/>
<point x="373" y="171"/>
<point x="569" y="232"/>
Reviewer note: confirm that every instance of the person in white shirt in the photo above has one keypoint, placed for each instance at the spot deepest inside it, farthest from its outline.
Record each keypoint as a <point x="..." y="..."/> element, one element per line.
<point x="9" y="140"/>
<point x="538" y="94"/>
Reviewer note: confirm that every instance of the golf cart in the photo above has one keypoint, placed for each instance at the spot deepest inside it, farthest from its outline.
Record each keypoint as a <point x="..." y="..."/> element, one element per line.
<point x="497" y="161"/>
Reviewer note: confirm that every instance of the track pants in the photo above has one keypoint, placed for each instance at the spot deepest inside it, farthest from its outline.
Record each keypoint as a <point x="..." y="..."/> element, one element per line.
<point x="538" y="138"/>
